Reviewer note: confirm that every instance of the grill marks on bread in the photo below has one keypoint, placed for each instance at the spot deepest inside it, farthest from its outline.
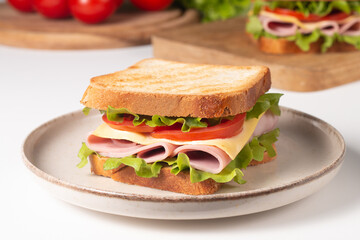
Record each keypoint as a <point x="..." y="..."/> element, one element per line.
<point x="168" y="88"/>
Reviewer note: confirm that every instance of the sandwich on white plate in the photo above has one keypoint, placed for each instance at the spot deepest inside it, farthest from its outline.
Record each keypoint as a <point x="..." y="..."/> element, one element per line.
<point x="185" y="128"/>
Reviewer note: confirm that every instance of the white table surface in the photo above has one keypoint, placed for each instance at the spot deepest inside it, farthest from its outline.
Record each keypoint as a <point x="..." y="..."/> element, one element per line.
<point x="36" y="86"/>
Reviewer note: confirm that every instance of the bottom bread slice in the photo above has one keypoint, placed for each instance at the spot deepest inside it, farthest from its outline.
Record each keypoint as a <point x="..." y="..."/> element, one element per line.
<point x="283" y="46"/>
<point x="167" y="181"/>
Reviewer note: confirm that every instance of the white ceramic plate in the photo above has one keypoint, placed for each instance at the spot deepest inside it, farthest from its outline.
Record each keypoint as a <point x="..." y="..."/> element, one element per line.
<point x="310" y="153"/>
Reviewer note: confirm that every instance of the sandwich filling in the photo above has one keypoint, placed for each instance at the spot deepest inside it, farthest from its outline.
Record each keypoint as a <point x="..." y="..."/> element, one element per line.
<point x="209" y="148"/>
<point x="305" y="22"/>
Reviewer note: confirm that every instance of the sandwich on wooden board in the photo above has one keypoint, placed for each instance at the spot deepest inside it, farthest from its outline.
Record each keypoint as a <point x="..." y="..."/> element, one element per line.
<point x="186" y="128"/>
<point x="290" y="26"/>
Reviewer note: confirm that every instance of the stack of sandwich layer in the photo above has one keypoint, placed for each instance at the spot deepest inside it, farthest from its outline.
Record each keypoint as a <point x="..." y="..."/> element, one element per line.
<point x="186" y="128"/>
<point x="305" y="26"/>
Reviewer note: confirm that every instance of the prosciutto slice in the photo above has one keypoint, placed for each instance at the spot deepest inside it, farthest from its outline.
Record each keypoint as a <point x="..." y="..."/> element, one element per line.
<point x="351" y="28"/>
<point x="277" y="27"/>
<point x="122" y="148"/>
<point x="206" y="158"/>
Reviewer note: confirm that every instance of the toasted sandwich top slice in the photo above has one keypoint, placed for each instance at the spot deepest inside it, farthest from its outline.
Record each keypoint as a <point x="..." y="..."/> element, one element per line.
<point x="167" y="88"/>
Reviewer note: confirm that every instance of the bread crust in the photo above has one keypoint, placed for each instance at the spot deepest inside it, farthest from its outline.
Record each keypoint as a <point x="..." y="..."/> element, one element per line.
<point x="167" y="181"/>
<point x="202" y="104"/>
<point x="283" y="46"/>
<point x="97" y="166"/>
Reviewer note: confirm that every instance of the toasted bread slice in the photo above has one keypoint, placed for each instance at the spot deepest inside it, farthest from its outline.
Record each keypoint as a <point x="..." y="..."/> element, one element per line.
<point x="167" y="88"/>
<point x="283" y="46"/>
<point x="167" y="181"/>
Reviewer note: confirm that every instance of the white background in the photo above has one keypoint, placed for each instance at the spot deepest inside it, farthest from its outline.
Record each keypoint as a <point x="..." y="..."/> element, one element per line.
<point x="36" y="86"/>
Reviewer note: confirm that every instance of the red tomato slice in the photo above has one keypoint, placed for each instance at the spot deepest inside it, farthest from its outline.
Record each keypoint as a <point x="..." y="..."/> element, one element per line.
<point x="127" y="125"/>
<point x="336" y="16"/>
<point x="310" y="17"/>
<point x="226" y="129"/>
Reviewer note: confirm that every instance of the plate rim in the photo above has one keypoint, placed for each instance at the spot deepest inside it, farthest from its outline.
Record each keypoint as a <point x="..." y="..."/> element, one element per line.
<point x="183" y="197"/>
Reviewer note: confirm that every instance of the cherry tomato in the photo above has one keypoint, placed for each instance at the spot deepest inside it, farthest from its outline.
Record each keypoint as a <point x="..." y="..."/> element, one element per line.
<point x="225" y="129"/>
<point x="22" y="5"/>
<point x="152" y="5"/>
<point x="119" y="2"/>
<point x="127" y="125"/>
<point x="310" y="17"/>
<point x="53" y="8"/>
<point x="93" y="11"/>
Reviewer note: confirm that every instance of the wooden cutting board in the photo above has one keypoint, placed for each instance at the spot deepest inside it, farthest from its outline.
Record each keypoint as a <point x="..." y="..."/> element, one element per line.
<point x="125" y="28"/>
<point x="227" y="43"/>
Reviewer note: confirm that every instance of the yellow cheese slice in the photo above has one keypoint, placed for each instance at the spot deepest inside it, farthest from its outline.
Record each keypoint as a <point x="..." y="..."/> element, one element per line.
<point x="232" y="146"/>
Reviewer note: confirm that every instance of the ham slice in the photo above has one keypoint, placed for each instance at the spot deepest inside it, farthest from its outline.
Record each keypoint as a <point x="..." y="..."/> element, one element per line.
<point x="206" y="158"/>
<point x="156" y="152"/>
<point x="122" y="148"/>
<point x="351" y="28"/>
<point x="328" y="28"/>
<point x="202" y="157"/>
<point x="277" y="27"/>
<point x="266" y="123"/>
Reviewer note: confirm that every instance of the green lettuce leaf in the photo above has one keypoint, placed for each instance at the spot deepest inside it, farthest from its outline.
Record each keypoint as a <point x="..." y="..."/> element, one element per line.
<point x="341" y="5"/>
<point x="268" y="101"/>
<point x="354" y="6"/>
<point x="321" y="8"/>
<point x="216" y="121"/>
<point x="254" y="27"/>
<point x="255" y="149"/>
<point x="257" y="7"/>
<point x="303" y="41"/>
<point x="117" y="115"/>
<point x="328" y="42"/>
<point x="86" y="111"/>
<point x="213" y="10"/>
<point x="187" y="122"/>
<point x="267" y="140"/>
<point x="229" y="173"/>
<point x="353" y="40"/>
<point x="83" y="154"/>
<point x="142" y="169"/>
